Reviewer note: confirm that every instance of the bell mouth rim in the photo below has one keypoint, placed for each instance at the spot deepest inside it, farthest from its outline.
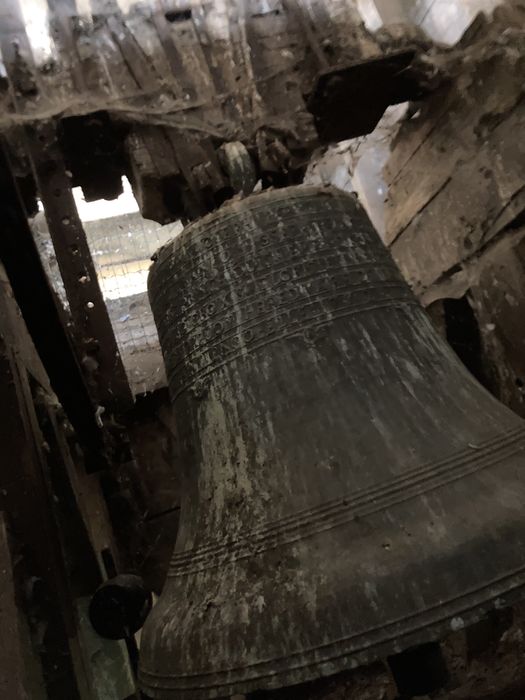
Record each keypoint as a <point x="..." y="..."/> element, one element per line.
<point x="457" y="618"/>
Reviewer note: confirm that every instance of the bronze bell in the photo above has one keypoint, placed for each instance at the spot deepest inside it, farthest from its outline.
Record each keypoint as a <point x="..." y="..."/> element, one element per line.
<point x="349" y="489"/>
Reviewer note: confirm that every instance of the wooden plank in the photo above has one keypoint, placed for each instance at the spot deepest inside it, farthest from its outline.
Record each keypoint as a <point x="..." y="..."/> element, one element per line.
<point x="195" y="85"/>
<point x="454" y="125"/>
<point x="145" y="34"/>
<point x="196" y="69"/>
<point x="373" y="84"/>
<point x="412" y="134"/>
<point x="122" y="83"/>
<point x="18" y="680"/>
<point x="222" y="36"/>
<point x="174" y="174"/>
<point x="139" y="67"/>
<point x="348" y="33"/>
<point x="508" y="218"/>
<point x="340" y="29"/>
<point x="448" y="140"/>
<point x="35" y="89"/>
<point x="274" y="52"/>
<point x="38" y="494"/>
<point x="275" y="49"/>
<point x="81" y="568"/>
<point x="497" y="290"/>
<point x="23" y="494"/>
<point x="154" y="170"/>
<point x="92" y="327"/>
<point x="16" y="336"/>
<point x="313" y="40"/>
<point x="92" y="65"/>
<point x="270" y="147"/>
<point x="469" y="210"/>
<point x="194" y="76"/>
<point x="39" y="307"/>
<point x="61" y="14"/>
<point x="172" y="54"/>
<point x="198" y="163"/>
<point x="17" y="57"/>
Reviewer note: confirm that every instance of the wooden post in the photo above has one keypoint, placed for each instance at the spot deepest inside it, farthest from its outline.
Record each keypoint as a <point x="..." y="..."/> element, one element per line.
<point x="24" y="495"/>
<point x="39" y="308"/>
<point x="21" y="674"/>
<point x="57" y="564"/>
<point x="92" y="328"/>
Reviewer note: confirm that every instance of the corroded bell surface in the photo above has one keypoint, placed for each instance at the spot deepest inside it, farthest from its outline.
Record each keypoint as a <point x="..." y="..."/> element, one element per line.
<point x="349" y="489"/>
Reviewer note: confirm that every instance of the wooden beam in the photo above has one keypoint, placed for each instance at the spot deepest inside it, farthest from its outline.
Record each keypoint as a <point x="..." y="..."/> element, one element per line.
<point x="20" y="673"/>
<point x="92" y="326"/>
<point x="17" y="54"/>
<point x="24" y="495"/>
<point x="40" y="310"/>
<point x="60" y="18"/>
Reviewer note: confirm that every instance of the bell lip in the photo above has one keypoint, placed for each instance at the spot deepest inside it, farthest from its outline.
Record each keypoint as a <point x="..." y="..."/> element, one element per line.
<point x="459" y="617"/>
<point x="252" y="201"/>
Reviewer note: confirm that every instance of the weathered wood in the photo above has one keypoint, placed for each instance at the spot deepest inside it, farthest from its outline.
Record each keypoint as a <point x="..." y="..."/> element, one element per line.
<point x="121" y="80"/>
<point x="95" y="156"/>
<point x="453" y="127"/>
<point x="499" y="303"/>
<point x="508" y="218"/>
<point x="24" y="495"/>
<point x="139" y="67"/>
<point x="463" y="214"/>
<point x="127" y="53"/>
<point x="276" y="49"/>
<point x="171" y="52"/>
<point x="153" y="435"/>
<point x="61" y="14"/>
<point x="57" y="556"/>
<point x="150" y="172"/>
<point x="81" y="567"/>
<point x="162" y="173"/>
<point x="145" y="34"/>
<point x="313" y="40"/>
<point x="219" y="35"/>
<point x="39" y="307"/>
<point x="20" y="672"/>
<point x="89" y="313"/>
<point x="91" y="323"/>
<point x="174" y="174"/>
<point x="94" y="69"/>
<point x="237" y="72"/>
<point x="341" y="30"/>
<point x="413" y="134"/>
<point x="372" y="84"/>
<point x="432" y="164"/>
<point x="199" y="165"/>
<point x="193" y="72"/>
<point x="17" y="56"/>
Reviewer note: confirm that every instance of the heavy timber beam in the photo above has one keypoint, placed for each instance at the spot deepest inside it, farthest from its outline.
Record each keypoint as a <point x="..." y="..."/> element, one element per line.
<point x="27" y="501"/>
<point x="39" y="308"/>
<point x="91" y="323"/>
<point x="93" y="333"/>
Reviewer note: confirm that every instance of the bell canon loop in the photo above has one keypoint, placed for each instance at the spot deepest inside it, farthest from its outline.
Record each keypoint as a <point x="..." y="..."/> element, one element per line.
<point x="349" y="490"/>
